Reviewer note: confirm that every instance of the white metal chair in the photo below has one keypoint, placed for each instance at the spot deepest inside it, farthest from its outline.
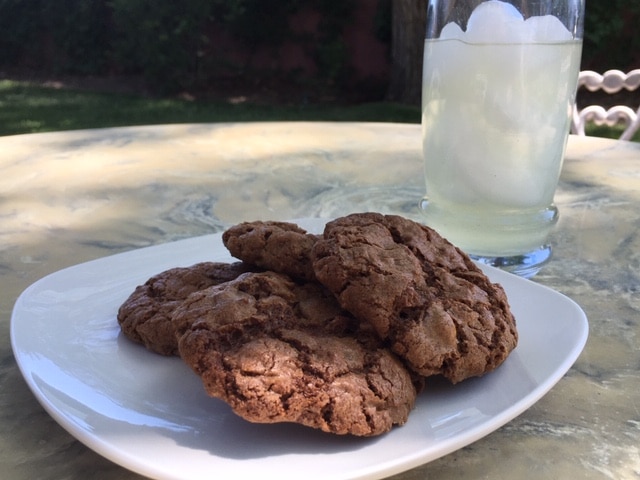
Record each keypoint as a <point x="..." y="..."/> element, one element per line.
<point x="611" y="82"/>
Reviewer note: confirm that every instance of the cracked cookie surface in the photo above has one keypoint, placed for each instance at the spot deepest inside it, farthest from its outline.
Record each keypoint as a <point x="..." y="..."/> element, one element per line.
<point x="437" y="309"/>
<point x="145" y="317"/>
<point x="279" y="246"/>
<point x="280" y="351"/>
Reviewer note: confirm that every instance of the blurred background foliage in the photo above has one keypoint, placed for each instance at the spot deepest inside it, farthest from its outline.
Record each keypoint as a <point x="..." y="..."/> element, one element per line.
<point x="175" y="46"/>
<point x="612" y="35"/>
<point x="171" y="45"/>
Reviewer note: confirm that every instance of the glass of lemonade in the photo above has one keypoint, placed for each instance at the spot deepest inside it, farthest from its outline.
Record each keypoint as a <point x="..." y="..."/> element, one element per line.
<point x="498" y="90"/>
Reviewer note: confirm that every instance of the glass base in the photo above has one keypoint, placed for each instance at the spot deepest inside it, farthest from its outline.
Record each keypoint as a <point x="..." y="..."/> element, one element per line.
<point x="525" y="265"/>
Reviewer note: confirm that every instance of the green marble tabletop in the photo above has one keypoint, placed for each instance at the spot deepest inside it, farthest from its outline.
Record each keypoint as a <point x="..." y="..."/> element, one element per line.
<point x="71" y="197"/>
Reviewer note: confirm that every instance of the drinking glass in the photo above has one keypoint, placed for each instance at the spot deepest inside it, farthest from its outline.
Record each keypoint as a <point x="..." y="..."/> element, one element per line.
<point x="499" y="85"/>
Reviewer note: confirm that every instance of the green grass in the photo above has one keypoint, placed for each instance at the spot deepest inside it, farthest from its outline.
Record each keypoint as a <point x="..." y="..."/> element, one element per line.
<point x="27" y="108"/>
<point x="608" y="132"/>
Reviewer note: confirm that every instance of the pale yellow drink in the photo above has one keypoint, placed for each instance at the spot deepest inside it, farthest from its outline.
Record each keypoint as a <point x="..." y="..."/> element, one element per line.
<point x="495" y="120"/>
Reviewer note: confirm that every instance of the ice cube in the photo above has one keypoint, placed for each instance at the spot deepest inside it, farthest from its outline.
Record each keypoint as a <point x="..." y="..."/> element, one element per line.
<point x="451" y="31"/>
<point x="546" y="29"/>
<point x="495" y="22"/>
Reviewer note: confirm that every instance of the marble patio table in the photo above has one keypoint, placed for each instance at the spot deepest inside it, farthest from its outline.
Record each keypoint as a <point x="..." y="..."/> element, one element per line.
<point x="70" y="197"/>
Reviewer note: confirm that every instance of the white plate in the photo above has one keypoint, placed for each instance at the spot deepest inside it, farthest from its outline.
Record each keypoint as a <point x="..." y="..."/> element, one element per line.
<point x="150" y="414"/>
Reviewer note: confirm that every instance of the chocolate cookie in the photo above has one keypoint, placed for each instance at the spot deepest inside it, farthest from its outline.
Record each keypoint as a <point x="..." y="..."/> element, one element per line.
<point x="279" y="246"/>
<point x="145" y="317"/>
<point x="278" y="351"/>
<point x="437" y="309"/>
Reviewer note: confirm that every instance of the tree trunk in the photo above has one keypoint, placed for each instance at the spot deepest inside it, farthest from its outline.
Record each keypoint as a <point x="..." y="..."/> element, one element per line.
<point x="408" y="26"/>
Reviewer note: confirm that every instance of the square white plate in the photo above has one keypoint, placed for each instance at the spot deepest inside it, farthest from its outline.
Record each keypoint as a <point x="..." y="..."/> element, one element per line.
<point x="151" y="415"/>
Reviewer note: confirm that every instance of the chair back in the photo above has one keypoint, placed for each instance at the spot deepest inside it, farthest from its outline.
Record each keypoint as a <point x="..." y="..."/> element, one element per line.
<point x="611" y="82"/>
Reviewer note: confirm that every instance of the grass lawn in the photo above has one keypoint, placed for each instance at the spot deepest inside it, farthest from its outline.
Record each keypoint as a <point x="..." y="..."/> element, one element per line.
<point x="30" y="108"/>
<point x="608" y="132"/>
<point x="27" y="108"/>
